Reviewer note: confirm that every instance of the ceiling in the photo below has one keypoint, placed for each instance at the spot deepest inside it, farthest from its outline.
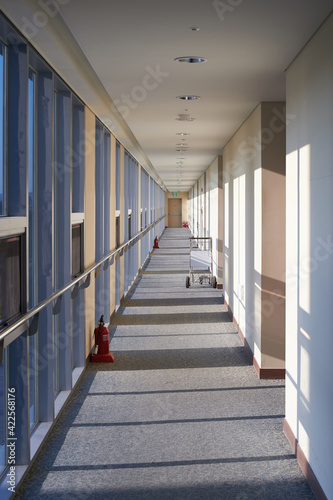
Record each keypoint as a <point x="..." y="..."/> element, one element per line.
<point x="119" y="57"/>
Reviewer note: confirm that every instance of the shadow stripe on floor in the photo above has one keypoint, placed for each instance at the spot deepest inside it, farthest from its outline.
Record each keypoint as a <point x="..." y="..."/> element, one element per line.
<point x="174" y="463"/>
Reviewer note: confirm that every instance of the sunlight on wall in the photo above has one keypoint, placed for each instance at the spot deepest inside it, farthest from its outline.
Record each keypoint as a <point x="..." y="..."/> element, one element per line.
<point x="242" y="238"/>
<point x="257" y="352"/>
<point x="303" y="438"/>
<point x="257" y="219"/>
<point x="291" y="402"/>
<point x="239" y="248"/>
<point x="214" y="214"/>
<point x="195" y="211"/>
<point x="214" y="208"/>
<point x="236" y="255"/>
<point x="305" y="373"/>
<point x="292" y="263"/>
<point x="305" y="261"/>
<point x="226" y="214"/>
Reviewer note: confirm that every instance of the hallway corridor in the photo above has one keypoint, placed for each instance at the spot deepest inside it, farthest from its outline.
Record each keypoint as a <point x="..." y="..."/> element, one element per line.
<point x="180" y="414"/>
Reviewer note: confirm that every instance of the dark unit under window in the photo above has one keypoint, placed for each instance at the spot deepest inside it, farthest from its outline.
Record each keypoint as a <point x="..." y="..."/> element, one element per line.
<point x="10" y="279"/>
<point x="129" y="226"/>
<point x="77" y="250"/>
<point x="117" y="232"/>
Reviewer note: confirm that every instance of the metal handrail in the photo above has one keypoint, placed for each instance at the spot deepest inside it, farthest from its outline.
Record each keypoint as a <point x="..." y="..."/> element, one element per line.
<point x="13" y="331"/>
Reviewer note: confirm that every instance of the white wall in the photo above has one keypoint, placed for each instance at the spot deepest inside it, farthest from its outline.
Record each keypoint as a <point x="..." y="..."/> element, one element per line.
<point x="242" y="230"/>
<point x="254" y="235"/>
<point x="206" y="208"/>
<point x="190" y="209"/>
<point x="201" y="203"/>
<point x="212" y="207"/>
<point x="309" y="255"/>
<point x="195" y="210"/>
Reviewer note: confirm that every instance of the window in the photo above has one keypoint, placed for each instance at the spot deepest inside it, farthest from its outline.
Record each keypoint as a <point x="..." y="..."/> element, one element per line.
<point x="32" y="188"/>
<point x="78" y="159"/>
<point x="118" y="231"/>
<point x="129" y="226"/>
<point x="32" y="191"/>
<point x="3" y="410"/>
<point x="117" y="176"/>
<point x="3" y="156"/>
<point x="10" y="279"/>
<point x="77" y="250"/>
<point x="55" y="239"/>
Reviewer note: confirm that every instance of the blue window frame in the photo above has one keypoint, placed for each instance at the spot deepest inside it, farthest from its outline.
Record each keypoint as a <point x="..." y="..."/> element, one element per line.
<point x="3" y="411"/>
<point x="3" y="127"/>
<point x="117" y="176"/>
<point x="55" y="229"/>
<point x="32" y="204"/>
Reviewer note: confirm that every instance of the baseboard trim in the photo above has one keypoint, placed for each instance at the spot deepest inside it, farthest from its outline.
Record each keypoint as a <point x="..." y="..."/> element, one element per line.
<point x="303" y="463"/>
<point x="263" y="373"/>
<point x="269" y="373"/>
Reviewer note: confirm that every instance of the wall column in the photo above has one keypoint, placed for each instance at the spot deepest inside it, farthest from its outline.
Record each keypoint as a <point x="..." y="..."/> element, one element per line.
<point x="89" y="230"/>
<point x="123" y="219"/>
<point x="219" y="276"/>
<point x="113" y="224"/>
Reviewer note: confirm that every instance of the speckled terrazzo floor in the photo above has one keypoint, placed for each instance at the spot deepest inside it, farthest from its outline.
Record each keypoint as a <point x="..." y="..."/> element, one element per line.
<point x="179" y="415"/>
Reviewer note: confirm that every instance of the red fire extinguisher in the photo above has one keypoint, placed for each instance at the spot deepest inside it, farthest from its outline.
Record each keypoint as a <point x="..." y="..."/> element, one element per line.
<point x="156" y="243"/>
<point x="102" y="352"/>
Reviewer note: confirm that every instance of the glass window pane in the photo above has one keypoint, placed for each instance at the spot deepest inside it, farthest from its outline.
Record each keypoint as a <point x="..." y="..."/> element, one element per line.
<point x="10" y="279"/>
<point x="78" y="160"/>
<point x="3" y="406"/>
<point x="32" y="191"/>
<point x="2" y="129"/>
<point x="118" y="176"/>
<point x="76" y="251"/>
<point x="55" y="226"/>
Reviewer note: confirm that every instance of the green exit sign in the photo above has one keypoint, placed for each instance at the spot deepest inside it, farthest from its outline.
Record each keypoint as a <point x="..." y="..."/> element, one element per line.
<point x="174" y="194"/>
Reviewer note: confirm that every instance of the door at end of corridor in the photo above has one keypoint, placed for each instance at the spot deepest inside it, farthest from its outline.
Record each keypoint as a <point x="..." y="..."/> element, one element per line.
<point x="175" y="212"/>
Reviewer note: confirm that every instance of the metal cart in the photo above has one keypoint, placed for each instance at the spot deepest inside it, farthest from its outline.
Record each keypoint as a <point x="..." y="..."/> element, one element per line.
<point x="201" y="262"/>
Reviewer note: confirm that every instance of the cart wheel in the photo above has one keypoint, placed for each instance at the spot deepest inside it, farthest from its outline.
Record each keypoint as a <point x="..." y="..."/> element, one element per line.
<point x="214" y="282"/>
<point x="187" y="282"/>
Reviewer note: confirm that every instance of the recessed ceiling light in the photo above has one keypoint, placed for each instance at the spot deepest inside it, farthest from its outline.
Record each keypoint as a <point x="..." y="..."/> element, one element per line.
<point x="188" y="97"/>
<point x="194" y="28"/>
<point x="185" y="119"/>
<point x="182" y="133"/>
<point x="191" y="59"/>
